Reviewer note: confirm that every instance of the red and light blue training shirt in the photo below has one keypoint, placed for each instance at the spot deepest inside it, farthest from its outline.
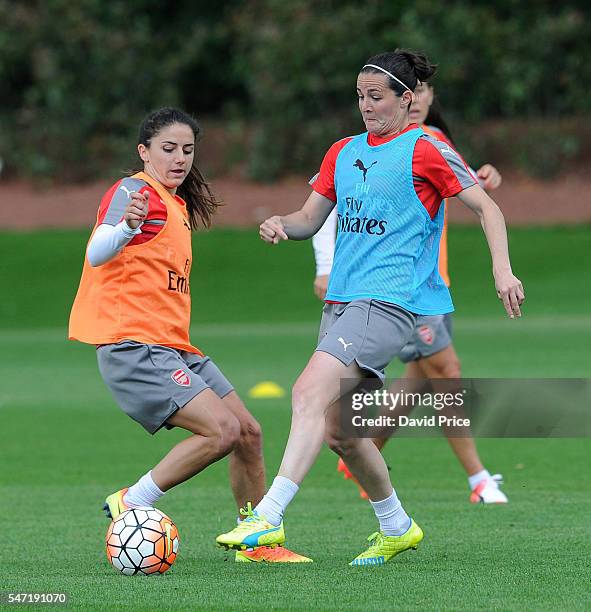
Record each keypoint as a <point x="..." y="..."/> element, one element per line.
<point x="388" y="239"/>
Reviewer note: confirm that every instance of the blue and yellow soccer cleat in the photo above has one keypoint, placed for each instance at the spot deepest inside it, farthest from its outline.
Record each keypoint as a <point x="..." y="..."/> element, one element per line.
<point x="253" y="531"/>
<point x="267" y="554"/>
<point x="384" y="547"/>
<point x="114" y="504"/>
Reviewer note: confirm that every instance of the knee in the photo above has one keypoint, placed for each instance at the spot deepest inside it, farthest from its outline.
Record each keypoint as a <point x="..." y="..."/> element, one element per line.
<point x="450" y="368"/>
<point x="338" y="444"/>
<point x="304" y="401"/>
<point x="227" y="435"/>
<point x="251" y="437"/>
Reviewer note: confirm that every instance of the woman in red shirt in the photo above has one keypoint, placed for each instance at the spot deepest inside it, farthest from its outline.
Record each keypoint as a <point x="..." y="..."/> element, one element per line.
<point x="430" y="354"/>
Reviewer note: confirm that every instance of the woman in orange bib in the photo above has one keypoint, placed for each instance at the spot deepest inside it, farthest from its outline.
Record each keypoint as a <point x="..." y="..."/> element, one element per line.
<point x="134" y="304"/>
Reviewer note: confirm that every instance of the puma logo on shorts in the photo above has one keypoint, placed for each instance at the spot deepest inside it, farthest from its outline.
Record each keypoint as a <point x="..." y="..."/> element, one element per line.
<point x="345" y="344"/>
<point x="376" y="331"/>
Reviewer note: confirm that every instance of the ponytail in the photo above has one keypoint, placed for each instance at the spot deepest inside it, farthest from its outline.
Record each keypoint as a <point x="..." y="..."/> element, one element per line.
<point x="201" y="203"/>
<point x="423" y="69"/>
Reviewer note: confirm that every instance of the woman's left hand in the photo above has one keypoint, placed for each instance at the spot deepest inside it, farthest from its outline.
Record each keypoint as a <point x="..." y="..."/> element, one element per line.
<point x="490" y="177"/>
<point x="510" y="292"/>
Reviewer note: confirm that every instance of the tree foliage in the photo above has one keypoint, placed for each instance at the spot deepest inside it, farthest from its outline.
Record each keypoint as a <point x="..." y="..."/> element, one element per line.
<point x="78" y="76"/>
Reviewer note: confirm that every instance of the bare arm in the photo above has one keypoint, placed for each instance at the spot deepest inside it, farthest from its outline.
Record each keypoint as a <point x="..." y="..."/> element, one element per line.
<point x="299" y="225"/>
<point x="509" y="287"/>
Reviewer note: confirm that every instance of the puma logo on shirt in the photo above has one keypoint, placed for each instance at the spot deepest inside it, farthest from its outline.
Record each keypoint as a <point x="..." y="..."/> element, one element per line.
<point x="447" y="149"/>
<point x="359" y="164"/>
<point x="127" y="191"/>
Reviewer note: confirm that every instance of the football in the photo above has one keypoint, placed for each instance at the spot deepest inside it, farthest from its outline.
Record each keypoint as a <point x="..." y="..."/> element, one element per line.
<point x="142" y="541"/>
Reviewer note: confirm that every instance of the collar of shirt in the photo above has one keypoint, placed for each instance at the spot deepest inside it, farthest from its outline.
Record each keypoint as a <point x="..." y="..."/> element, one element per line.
<point x="373" y="140"/>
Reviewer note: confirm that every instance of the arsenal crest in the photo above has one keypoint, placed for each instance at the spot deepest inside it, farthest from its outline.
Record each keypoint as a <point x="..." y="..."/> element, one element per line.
<point x="181" y="378"/>
<point x="426" y="334"/>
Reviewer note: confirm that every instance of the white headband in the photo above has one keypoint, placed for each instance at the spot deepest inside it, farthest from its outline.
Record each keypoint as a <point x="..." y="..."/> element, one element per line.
<point x="388" y="73"/>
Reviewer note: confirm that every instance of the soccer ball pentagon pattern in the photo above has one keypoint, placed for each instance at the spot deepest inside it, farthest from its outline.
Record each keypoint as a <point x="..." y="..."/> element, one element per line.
<point x="142" y="541"/>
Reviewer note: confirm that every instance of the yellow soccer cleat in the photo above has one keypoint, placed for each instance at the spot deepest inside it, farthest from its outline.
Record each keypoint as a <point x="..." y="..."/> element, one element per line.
<point x="253" y="531"/>
<point x="384" y="547"/>
<point x="114" y="504"/>
<point x="267" y="554"/>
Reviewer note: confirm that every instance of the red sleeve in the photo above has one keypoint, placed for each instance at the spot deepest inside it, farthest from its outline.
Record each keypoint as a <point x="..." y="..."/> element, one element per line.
<point x="114" y="202"/>
<point x="441" y="165"/>
<point x="439" y="135"/>
<point x="439" y="172"/>
<point x="323" y="183"/>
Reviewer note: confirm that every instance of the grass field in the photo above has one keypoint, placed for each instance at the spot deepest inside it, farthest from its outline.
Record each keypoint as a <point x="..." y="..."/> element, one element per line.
<point x="64" y="445"/>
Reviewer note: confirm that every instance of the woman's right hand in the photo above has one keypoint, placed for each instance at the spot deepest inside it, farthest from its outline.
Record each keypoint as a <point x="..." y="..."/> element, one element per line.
<point x="272" y="230"/>
<point x="320" y="286"/>
<point x="491" y="178"/>
<point x="137" y="209"/>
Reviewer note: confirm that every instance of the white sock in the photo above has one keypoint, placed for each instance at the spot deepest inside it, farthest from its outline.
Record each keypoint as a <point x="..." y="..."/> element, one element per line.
<point x="475" y="479"/>
<point x="144" y="492"/>
<point x="393" y="519"/>
<point x="276" y="500"/>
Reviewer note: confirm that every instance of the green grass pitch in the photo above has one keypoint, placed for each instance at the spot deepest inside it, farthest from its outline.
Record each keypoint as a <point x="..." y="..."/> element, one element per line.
<point x="64" y="445"/>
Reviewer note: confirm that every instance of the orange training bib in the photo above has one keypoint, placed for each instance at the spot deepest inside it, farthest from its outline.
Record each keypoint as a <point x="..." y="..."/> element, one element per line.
<point x="143" y="293"/>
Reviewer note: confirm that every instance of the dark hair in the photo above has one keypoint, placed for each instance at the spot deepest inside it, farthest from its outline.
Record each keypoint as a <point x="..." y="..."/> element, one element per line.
<point x="408" y="66"/>
<point x="435" y="119"/>
<point x="201" y="203"/>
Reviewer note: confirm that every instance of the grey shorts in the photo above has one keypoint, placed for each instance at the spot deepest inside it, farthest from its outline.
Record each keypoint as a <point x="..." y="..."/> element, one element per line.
<point x="431" y="335"/>
<point x="151" y="382"/>
<point x="370" y="332"/>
